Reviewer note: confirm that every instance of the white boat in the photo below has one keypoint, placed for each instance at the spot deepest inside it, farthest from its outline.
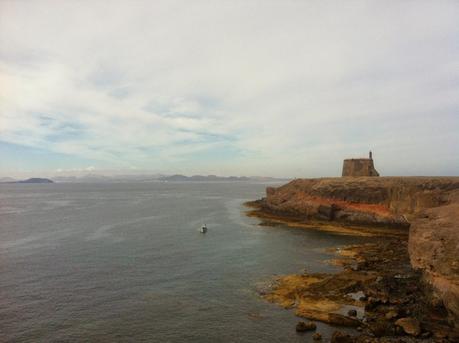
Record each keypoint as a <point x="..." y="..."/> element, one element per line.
<point x="203" y="229"/>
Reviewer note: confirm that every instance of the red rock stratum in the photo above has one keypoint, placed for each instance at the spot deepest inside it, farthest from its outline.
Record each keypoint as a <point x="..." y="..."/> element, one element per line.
<point x="427" y="208"/>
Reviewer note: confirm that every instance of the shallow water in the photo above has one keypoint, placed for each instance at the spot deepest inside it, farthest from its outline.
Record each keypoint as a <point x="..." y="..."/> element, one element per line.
<point x="125" y="262"/>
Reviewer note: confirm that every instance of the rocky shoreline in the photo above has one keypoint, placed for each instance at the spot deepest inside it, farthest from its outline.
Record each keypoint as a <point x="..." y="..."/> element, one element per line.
<point x="377" y="292"/>
<point x="390" y="291"/>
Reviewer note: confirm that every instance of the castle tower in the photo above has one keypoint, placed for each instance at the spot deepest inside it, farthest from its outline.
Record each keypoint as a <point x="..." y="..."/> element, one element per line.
<point x="359" y="166"/>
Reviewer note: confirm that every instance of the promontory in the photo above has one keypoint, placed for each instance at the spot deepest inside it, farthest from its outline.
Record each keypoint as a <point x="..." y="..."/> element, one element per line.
<point x="425" y="210"/>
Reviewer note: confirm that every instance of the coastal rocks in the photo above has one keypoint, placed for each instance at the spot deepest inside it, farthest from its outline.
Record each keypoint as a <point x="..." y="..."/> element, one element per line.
<point x="386" y="199"/>
<point x="338" y="319"/>
<point x="410" y="326"/>
<point x="352" y="313"/>
<point x="385" y="286"/>
<point x="340" y="337"/>
<point x="427" y="206"/>
<point x="381" y="328"/>
<point x="391" y="314"/>
<point x="305" y="326"/>
<point x="317" y="336"/>
<point x="319" y="296"/>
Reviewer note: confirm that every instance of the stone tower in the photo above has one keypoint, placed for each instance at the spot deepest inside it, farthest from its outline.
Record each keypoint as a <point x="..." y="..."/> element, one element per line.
<point x="359" y="167"/>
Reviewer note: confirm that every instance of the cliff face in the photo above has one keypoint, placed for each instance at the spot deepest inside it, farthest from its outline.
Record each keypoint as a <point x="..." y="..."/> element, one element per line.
<point x="428" y="207"/>
<point x="434" y="248"/>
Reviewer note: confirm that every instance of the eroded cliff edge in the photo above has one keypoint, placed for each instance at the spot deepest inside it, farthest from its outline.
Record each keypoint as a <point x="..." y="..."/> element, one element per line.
<point x="427" y="208"/>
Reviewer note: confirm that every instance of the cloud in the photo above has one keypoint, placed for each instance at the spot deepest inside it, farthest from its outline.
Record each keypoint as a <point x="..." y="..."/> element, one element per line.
<point x="72" y="170"/>
<point x="277" y="88"/>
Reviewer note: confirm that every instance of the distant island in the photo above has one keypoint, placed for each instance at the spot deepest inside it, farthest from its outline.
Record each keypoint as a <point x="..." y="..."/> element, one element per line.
<point x="32" y="180"/>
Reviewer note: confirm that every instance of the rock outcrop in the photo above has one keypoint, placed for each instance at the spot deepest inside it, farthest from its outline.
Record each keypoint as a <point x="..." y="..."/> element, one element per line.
<point x="426" y="207"/>
<point x="434" y="248"/>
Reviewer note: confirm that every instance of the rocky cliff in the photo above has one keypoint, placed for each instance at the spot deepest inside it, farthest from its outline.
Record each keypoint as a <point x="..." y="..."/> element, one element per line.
<point x="426" y="207"/>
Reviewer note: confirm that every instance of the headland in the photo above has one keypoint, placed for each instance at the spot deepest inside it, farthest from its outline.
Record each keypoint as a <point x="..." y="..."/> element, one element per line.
<point x="407" y="283"/>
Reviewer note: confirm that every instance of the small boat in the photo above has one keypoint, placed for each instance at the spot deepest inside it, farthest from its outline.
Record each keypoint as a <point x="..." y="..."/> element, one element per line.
<point x="203" y="229"/>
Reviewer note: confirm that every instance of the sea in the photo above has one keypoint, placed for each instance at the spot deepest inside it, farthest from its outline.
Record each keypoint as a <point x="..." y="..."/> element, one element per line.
<point x="125" y="262"/>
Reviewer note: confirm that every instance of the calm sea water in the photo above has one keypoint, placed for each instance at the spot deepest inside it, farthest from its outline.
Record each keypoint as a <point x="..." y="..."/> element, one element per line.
<point x="126" y="263"/>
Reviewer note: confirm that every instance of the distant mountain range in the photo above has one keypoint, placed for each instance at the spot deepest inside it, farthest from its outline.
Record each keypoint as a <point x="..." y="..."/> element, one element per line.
<point x="207" y="178"/>
<point x="215" y="178"/>
<point x="94" y="178"/>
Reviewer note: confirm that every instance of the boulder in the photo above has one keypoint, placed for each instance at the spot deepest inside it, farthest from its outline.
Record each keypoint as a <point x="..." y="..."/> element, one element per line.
<point x="352" y="313"/>
<point x="391" y="314"/>
<point x="409" y="325"/>
<point x="303" y="326"/>
<point x="317" y="336"/>
<point x="382" y="328"/>
<point x="339" y="319"/>
<point x="340" y="337"/>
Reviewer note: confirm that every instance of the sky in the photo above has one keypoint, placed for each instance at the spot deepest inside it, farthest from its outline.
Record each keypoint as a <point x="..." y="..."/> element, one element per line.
<point x="273" y="88"/>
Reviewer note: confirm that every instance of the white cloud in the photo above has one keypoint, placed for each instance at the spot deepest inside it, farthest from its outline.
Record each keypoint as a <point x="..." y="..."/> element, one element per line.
<point x="75" y="170"/>
<point x="279" y="88"/>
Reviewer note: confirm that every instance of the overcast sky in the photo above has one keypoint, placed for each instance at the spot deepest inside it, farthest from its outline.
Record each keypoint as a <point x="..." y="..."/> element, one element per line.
<point x="275" y="88"/>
